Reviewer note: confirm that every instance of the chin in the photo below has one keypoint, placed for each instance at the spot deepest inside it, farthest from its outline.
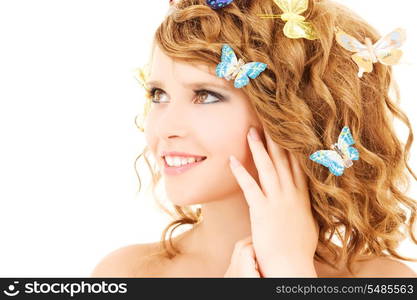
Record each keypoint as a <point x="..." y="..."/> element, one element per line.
<point x="199" y="194"/>
<point x="182" y="197"/>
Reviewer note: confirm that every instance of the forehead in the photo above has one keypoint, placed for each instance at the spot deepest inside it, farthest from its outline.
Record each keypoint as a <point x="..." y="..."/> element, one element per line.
<point x="164" y="67"/>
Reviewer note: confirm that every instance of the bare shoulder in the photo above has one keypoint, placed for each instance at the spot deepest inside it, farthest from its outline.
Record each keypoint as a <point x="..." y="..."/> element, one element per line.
<point x="384" y="267"/>
<point x="138" y="260"/>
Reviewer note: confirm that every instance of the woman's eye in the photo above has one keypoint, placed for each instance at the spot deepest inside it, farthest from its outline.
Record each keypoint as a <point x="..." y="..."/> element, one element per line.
<point x="201" y="96"/>
<point x="156" y="95"/>
<point x="208" y="97"/>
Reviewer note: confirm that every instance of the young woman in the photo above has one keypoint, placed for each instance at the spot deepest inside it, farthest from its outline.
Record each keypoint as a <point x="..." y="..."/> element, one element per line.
<point x="276" y="208"/>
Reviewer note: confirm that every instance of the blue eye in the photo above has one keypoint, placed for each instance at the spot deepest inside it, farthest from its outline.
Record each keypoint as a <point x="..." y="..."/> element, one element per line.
<point x="156" y="94"/>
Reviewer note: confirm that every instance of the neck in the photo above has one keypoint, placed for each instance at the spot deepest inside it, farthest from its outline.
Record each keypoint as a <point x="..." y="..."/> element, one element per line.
<point x="224" y="222"/>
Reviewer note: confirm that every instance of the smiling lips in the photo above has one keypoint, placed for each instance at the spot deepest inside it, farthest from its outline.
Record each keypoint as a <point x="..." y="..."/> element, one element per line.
<point x="176" y="163"/>
<point x="180" y="154"/>
<point x="180" y="169"/>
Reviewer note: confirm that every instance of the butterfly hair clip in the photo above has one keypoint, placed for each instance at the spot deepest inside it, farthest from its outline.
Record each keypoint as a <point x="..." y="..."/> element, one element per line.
<point x="142" y="76"/>
<point x="384" y="50"/>
<point x="296" y="26"/>
<point x="341" y="156"/>
<point x="231" y="68"/>
<point x="217" y="4"/>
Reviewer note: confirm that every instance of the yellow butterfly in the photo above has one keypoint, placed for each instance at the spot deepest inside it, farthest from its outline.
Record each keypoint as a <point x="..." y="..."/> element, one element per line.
<point x="142" y="75"/>
<point x="295" y="26"/>
<point x="385" y="50"/>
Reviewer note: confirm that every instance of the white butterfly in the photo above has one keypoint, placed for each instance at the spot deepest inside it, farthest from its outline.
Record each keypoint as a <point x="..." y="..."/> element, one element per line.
<point x="384" y="50"/>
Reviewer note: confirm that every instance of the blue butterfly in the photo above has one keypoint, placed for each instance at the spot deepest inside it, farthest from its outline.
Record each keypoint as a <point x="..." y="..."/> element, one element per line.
<point x="231" y="68"/>
<point x="341" y="156"/>
<point x="217" y="4"/>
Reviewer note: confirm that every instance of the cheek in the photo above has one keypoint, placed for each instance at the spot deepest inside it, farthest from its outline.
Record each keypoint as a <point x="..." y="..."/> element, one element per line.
<point x="150" y="134"/>
<point x="229" y="137"/>
<point x="229" y="141"/>
<point x="233" y="141"/>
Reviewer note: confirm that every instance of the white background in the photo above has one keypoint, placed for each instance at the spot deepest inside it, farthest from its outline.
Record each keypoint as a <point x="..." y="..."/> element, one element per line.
<point x="68" y="142"/>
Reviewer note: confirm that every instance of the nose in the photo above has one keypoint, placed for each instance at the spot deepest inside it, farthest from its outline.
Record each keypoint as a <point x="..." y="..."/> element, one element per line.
<point x="174" y="121"/>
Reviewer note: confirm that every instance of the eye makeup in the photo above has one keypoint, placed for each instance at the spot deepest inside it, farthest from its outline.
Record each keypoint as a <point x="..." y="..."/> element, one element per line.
<point x="155" y="94"/>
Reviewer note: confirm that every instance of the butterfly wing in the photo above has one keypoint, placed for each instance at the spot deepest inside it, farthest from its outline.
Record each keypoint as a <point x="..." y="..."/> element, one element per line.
<point x="386" y="49"/>
<point x="292" y="6"/>
<point x="217" y="4"/>
<point x="329" y="159"/>
<point x="284" y="5"/>
<point x="349" y="42"/>
<point x="299" y="29"/>
<point x="362" y="57"/>
<point x="345" y="138"/>
<point x="390" y="58"/>
<point x="394" y="39"/>
<point x="249" y="70"/>
<point x="344" y="142"/>
<point x="364" y="61"/>
<point x="228" y="61"/>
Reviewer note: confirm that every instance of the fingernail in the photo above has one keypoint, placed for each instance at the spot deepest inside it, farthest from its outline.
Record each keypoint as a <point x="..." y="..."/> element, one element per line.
<point x="233" y="161"/>
<point x="254" y="134"/>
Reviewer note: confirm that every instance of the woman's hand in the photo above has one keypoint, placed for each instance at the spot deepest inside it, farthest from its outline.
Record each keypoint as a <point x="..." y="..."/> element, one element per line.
<point x="284" y="232"/>
<point x="243" y="262"/>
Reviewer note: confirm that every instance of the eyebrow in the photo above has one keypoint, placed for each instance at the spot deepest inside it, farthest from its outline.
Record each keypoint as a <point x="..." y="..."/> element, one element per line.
<point x="192" y="85"/>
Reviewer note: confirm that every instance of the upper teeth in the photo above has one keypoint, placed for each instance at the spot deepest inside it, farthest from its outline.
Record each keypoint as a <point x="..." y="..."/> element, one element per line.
<point x="176" y="161"/>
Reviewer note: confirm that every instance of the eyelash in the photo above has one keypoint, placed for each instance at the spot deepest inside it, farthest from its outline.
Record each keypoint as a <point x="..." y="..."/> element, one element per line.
<point x="152" y="91"/>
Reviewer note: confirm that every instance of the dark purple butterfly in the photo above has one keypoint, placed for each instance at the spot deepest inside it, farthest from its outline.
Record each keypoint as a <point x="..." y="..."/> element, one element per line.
<point x="217" y="4"/>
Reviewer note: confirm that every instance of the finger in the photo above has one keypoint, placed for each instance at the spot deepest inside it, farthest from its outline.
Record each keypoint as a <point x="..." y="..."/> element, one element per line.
<point x="249" y="250"/>
<point x="249" y="186"/>
<point x="249" y="265"/>
<point x="239" y="249"/>
<point x="300" y="178"/>
<point x="246" y="240"/>
<point x="281" y="161"/>
<point x="268" y="176"/>
<point x="242" y="243"/>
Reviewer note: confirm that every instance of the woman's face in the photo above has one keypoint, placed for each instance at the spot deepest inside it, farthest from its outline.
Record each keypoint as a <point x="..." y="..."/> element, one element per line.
<point x="201" y="114"/>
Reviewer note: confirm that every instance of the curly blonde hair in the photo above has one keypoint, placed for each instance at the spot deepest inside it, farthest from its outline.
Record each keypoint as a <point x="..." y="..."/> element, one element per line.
<point x="309" y="91"/>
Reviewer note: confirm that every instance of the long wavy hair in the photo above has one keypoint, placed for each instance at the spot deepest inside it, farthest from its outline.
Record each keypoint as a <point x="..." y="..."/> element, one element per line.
<point x="309" y="91"/>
